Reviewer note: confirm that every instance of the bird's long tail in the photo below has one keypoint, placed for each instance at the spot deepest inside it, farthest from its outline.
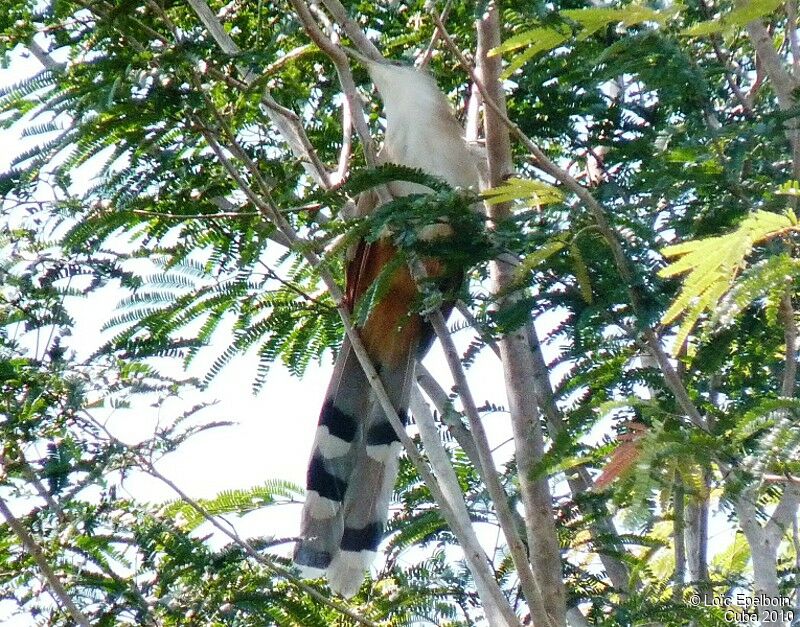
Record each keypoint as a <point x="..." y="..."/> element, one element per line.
<point x="354" y="460"/>
<point x="352" y="472"/>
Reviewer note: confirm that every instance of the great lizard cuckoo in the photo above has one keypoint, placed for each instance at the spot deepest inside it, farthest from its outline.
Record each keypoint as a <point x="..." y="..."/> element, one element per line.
<point x="354" y="460"/>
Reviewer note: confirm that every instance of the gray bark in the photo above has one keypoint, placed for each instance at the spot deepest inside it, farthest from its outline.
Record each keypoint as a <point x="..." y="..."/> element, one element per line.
<point x="516" y="356"/>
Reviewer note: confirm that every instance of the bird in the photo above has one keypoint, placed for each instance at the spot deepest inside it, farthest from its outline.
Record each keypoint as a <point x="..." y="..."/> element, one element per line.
<point x="355" y="455"/>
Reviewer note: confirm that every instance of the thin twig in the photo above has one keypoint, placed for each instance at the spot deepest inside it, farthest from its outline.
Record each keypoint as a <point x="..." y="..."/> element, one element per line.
<point x="33" y="549"/>
<point x="354" y="32"/>
<point x="32" y="476"/>
<point x="289" y="56"/>
<point x="150" y="468"/>
<point x="423" y="61"/>
<point x="479" y="328"/>
<point x="195" y="216"/>
<point x="724" y="59"/>
<point x="130" y="587"/>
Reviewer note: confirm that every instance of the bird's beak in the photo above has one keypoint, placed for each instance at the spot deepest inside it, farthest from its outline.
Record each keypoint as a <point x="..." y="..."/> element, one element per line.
<point x="363" y="59"/>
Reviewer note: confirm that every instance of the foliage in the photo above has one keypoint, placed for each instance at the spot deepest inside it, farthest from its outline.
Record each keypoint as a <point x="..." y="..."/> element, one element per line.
<point x="147" y="161"/>
<point x="712" y="265"/>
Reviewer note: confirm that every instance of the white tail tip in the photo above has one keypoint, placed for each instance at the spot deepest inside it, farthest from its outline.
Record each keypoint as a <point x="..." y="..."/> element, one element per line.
<point x="346" y="572"/>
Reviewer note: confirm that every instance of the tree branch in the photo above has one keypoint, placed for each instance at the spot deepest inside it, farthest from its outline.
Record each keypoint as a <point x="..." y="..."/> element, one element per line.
<point x="531" y="588"/>
<point x="340" y="62"/>
<point x="579" y="481"/>
<point x="782" y="81"/>
<point x="479" y="328"/>
<point x="57" y="588"/>
<point x="516" y="357"/>
<point x="286" y="121"/>
<point x="620" y="261"/>
<point x="448" y="414"/>
<point x="354" y="32"/>
<point x="786" y="509"/>
<point x="422" y="62"/>
<point x="485" y="578"/>
<point x="43" y="57"/>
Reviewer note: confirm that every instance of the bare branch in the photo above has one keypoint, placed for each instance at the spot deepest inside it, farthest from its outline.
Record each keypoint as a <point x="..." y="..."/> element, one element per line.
<point x="340" y="62"/>
<point x="448" y="414"/>
<point x="782" y="81"/>
<point x="796" y="547"/>
<point x="43" y="57"/>
<point x="781" y="479"/>
<point x="516" y="356"/>
<point x="785" y="511"/>
<point x="579" y="479"/>
<point x="286" y="121"/>
<point x="222" y="215"/>
<point x="530" y="586"/>
<point x="33" y="549"/>
<point x="347" y="143"/>
<point x="357" y="36"/>
<point x="485" y="578"/>
<point x="473" y="123"/>
<point x="678" y="538"/>
<point x="215" y="29"/>
<point x="422" y="61"/>
<point x="292" y="54"/>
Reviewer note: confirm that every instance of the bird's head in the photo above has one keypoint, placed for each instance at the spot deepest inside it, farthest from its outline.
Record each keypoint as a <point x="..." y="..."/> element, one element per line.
<point x="403" y="88"/>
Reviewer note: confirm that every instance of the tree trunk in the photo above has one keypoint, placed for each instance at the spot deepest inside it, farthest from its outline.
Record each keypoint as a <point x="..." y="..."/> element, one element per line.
<point x="516" y="356"/>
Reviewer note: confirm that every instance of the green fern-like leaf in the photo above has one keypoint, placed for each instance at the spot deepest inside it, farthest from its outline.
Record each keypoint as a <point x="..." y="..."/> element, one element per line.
<point x="712" y="264"/>
<point x="532" y="193"/>
<point x="238" y="502"/>
<point x="741" y="15"/>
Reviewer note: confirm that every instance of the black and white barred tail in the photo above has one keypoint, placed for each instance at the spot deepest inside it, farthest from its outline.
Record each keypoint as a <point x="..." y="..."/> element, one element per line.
<point x="352" y="472"/>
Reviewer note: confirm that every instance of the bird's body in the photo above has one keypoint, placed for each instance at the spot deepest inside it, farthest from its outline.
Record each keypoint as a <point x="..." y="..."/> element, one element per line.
<point x="355" y="456"/>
